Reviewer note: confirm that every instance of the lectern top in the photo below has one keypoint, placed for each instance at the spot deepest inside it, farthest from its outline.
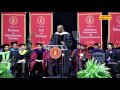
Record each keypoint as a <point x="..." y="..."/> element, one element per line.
<point x="62" y="47"/>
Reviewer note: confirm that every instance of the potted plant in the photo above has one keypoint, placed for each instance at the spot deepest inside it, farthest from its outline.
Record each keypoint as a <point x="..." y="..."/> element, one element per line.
<point x="94" y="70"/>
<point x="4" y="73"/>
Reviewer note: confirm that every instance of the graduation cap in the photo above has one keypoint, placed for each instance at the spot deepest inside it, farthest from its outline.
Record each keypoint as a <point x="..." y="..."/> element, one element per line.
<point x="97" y="44"/>
<point x="83" y="45"/>
<point x="29" y="43"/>
<point x="110" y="44"/>
<point x="21" y="45"/>
<point x="13" y="43"/>
<point x="3" y="46"/>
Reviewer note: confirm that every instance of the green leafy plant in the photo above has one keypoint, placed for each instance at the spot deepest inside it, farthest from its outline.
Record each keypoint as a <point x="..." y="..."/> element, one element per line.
<point x="94" y="70"/>
<point x="4" y="71"/>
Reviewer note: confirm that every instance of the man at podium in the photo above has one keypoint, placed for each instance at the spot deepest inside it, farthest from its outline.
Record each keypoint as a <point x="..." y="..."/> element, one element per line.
<point x="61" y="37"/>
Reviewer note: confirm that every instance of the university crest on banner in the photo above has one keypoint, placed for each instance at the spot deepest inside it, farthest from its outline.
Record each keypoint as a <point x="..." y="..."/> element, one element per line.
<point x="13" y="27"/>
<point x="41" y="27"/>
<point x="89" y="28"/>
<point x="114" y="28"/>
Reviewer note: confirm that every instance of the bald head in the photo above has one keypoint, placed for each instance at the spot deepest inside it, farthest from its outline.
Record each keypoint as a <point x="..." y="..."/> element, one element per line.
<point x="60" y="28"/>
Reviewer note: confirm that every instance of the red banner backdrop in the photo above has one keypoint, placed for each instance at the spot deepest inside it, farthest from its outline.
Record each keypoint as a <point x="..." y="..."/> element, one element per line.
<point x="41" y="27"/>
<point x="13" y="27"/>
<point x="114" y="29"/>
<point x="89" y="28"/>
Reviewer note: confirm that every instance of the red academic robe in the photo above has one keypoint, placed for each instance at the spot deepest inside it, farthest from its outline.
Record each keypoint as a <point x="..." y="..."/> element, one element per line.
<point x="33" y="57"/>
<point x="75" y="55"/>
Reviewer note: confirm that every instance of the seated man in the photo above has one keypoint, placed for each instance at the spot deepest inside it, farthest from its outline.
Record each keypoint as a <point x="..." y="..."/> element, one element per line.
<point x="111" y="53"/>
<point x="14" y="56"/>
<point x="111" y="56"/>
<point x="22" y="63"/>
<point x="96" y="48"/>
<point x="80" y="56"/>
<point x="37" y="65"/>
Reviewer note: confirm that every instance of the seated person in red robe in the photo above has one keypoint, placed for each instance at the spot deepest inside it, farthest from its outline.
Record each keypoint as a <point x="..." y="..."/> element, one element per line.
<point x="38" y="64"/>
<point x="79" y="57"/>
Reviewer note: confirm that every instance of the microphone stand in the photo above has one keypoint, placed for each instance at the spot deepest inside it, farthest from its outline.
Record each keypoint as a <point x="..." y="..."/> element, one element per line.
<point x="62" y="64"/>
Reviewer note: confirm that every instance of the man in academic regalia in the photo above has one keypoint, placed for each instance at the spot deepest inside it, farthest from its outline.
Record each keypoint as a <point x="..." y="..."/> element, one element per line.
<point x="38" y="64"/>
<point x="79" y="57"/>
<point x="29" y="48"/>
<point x="96" y="48"/>
<point x="111" y="56"/>
<point x="23" y="62"/>
<point x="111" y="53"/>
<point x="14" y="56"/>
<point x="62" y="37"/>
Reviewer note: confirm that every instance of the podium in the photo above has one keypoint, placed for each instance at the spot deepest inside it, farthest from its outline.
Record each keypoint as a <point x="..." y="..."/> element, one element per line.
<point x="63" y="48"/>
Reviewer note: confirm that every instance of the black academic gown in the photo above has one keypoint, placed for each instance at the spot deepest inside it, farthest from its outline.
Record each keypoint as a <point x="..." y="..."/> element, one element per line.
<point x="65" y="37"/>
<point x="25" y="56"/>
<point x="14" y="56"/>
<point x="113" y="56"/>
<point x="56" y="40"/>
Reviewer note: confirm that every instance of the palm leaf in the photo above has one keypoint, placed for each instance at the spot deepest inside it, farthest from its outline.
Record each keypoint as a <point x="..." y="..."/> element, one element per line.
<point x="94" y="70"/>
<point x="4" y="71"/>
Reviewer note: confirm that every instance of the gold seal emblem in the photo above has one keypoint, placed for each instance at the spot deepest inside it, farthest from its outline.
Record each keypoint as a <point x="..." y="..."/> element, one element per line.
<point x="55" y="53"/>
<point x="13" y="20"/>
<point x="89" y="19"/>
<point x="118" y="19"/>
<point x="41" y="20"/>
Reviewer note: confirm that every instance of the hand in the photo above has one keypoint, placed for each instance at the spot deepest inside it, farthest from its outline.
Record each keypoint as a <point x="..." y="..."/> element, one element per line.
<point x="20" y="61"/>
<point x="110" y="52"/>
<point x="109" y="59"/>
<point x="41" y="61"/>
<point x="45" y="47"/>
<point x="63" y="43"/>
<point x="23" y="60"/>
<point x="81" y="55"/>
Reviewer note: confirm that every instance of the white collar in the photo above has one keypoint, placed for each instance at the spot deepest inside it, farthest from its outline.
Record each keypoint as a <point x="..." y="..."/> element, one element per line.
<point x="61" y="33"/>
